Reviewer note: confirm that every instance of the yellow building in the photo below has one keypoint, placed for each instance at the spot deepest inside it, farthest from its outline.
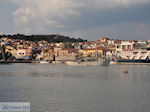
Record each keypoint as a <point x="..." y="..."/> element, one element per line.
<point x="48" y="55"/>
<point x="59" y="44"/>
<point x="56" y="51"/>
<point x="14" y="52"/>
<point x="92" y="52"/>
<point x="4" y="38"/>
<point x="8" y="48"/>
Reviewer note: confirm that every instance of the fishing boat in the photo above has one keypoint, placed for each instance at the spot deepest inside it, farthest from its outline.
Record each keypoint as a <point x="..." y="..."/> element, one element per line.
<point x="82" y="61"/>
<point x="102" y="62"/>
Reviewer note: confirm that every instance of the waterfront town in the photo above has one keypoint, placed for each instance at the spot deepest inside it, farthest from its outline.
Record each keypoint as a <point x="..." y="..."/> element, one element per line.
<point x="16" y="49"/>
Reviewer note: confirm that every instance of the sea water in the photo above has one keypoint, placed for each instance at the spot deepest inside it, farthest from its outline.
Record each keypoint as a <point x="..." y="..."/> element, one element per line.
<point x="63" y="88"/>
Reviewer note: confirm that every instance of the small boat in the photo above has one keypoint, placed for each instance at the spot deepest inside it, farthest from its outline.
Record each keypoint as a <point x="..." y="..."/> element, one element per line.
<point x="44" y="62"/>
<point x="113" y="62"/>
<point x="56" y="62"/>
<point x="102" y="62"/>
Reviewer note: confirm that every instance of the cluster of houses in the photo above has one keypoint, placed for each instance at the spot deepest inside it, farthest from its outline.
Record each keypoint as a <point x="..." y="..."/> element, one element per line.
<point x="21" y="49"/>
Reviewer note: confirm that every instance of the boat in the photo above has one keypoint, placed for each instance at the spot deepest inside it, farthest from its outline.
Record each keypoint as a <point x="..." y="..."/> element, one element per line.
<point x="85" y="61"/>
<point x="113" y="62"/>
<point x="102" y="62"/>
<point x="141" y="56"/>
<point x="133" y="61"/>
<point x="44" y="62"/>
<point x="57" y="62"/>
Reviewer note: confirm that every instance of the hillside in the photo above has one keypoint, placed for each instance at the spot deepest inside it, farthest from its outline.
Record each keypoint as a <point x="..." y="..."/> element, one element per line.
<point x="49" y="38"/>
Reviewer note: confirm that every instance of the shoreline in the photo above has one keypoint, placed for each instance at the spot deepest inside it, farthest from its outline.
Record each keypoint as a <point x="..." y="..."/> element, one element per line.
<point x="125" y="63"/>
<point x="116" y="63"/>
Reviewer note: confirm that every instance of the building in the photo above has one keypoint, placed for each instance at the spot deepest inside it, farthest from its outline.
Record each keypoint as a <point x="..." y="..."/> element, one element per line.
<point x="47" y="54"/>
<point x="141" y="45"/>
<point x="93" y="52"/>
<point x="69" y="52"/>
<point x="21" y="53"/>
<point x="56" y="51"/>
<point x="104" y="39"/>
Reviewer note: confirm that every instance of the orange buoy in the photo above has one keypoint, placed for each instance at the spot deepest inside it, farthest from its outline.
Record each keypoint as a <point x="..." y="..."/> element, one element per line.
<point x="125" y="71"/>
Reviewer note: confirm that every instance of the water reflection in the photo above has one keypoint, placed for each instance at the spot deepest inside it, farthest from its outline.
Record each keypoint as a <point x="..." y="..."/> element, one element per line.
<point x="61" y="88"/>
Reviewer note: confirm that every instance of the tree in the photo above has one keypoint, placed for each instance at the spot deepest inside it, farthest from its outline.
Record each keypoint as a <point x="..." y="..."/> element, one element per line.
<point x="68" y="45"/>
<point x="49" y="38"/>
<point x="89" y="55"/>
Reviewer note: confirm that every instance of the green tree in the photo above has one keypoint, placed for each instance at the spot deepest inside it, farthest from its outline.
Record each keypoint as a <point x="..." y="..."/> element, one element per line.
<point x="68" y="45"/>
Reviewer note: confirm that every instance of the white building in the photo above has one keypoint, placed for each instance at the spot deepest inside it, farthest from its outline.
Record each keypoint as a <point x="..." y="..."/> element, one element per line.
<point x="21" y="52"/>
<point x="111" y="42"/>
<point x="125" y="48"/>
<point x="141" y="45"/>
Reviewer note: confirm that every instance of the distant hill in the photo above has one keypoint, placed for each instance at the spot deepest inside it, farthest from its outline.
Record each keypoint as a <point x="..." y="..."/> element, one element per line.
<point x="49" y="38"/>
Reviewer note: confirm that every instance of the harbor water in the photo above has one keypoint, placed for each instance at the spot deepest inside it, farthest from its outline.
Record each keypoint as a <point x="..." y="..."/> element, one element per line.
<point x="64" y="88"/>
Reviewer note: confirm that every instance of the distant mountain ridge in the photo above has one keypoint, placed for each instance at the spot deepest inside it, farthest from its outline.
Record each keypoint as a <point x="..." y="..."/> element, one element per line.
<point x="50" y="38"/>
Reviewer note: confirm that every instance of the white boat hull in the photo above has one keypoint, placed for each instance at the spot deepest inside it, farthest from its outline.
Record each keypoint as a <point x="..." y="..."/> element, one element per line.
<point x="113" y="62"/>
<point x="56" y="62"/>
<point x="44" y="62"/>
<point x="100" y="62"/>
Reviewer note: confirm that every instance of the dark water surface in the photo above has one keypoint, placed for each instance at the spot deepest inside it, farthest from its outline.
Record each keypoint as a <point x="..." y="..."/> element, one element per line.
<point x="62" y="88"/>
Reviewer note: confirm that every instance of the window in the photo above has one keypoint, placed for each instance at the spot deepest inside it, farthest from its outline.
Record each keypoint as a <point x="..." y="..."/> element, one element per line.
<point x="129" y="47"/>
<point x="123" y="46"/>
<point x="21" y="53"/>
<point x="118" y="46"/>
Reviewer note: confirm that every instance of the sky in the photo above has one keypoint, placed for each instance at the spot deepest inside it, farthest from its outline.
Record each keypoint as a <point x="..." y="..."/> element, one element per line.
<point x="88" y="19"/>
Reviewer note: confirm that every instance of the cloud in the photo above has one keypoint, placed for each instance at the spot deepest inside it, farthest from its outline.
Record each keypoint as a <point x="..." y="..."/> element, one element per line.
<point x="53" y="12"/>
<point x="43" y="13"/>
<point x="103" y="4"/>
<point x="78" y="17"/>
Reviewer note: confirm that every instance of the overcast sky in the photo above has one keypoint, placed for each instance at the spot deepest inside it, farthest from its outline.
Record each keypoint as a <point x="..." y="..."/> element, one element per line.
<point x="89" y="19"/>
